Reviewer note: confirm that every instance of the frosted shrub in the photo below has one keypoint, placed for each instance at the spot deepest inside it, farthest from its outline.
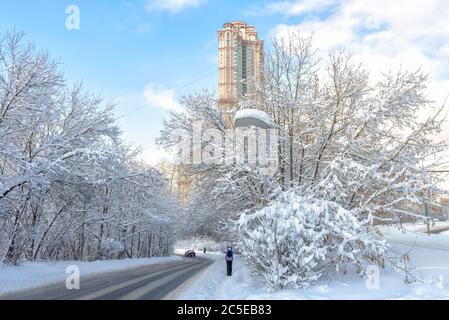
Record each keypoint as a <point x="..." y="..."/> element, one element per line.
<point x="111" y="249"/>
<point x="295" y="241"/>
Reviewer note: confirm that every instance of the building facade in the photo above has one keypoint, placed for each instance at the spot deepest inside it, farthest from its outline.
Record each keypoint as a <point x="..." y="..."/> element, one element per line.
<point x="240" y="59"/>
<point x="184" y="183"/>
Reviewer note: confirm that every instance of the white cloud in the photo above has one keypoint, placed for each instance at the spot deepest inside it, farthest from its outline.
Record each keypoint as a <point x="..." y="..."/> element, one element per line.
<point x="152" y="96"/>
<point x="141" y="123"/>
<point x="164" y="99"/>
<point x="154" y="155"/>
<point x="383" y="34"/>
<point x="173" y="6"/>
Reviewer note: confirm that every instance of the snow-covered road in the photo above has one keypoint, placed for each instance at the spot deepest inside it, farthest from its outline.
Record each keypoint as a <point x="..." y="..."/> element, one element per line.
<point x="147" y="282"/>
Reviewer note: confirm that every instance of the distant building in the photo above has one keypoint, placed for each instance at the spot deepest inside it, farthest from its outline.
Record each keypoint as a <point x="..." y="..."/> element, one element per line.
<point x="240" y="59"/>
<point x="184" y="183"/>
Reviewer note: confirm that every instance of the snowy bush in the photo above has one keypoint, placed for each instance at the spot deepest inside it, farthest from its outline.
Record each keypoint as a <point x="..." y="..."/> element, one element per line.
<point x="295" y="241"/>
<point x="111" y="249"/>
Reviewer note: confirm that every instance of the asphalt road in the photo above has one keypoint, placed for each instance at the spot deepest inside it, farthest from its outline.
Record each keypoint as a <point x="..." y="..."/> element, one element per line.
<point x="153" y="282"/>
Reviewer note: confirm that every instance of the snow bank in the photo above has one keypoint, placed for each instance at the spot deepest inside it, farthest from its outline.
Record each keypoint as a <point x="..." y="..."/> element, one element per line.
<point x="414" y="236"/>
<point x="213" y="284"/>
<point x="34" y="274"/>
<point x="419" y="226"/>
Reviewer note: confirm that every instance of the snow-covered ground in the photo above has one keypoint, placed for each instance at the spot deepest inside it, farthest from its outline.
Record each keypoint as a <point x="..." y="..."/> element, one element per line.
<point x="429" y="263"/>
<point x="415" y="235"/>
<point x="34" y="274"/>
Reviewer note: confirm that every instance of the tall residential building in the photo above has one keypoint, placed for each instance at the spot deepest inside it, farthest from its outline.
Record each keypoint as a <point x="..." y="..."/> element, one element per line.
<point x="240" y="60"/>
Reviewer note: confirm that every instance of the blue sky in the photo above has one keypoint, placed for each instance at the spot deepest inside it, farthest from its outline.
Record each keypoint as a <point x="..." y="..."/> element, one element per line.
<point x="136" y="51"/>
<point x="123" y="46"/>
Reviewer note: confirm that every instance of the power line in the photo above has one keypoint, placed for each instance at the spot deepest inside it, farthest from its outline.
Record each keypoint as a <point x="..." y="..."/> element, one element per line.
<point x="165" y="95"/>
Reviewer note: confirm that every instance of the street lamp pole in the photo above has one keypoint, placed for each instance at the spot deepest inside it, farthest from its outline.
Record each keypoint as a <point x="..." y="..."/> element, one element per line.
<point x="247" y="118"/>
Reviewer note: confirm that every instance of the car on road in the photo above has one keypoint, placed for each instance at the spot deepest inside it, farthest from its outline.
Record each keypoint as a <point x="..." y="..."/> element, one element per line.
<point x="190" y="254"/>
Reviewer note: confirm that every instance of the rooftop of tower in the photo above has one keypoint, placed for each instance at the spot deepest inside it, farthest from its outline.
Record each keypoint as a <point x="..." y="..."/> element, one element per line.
<point x="237" y="23"/>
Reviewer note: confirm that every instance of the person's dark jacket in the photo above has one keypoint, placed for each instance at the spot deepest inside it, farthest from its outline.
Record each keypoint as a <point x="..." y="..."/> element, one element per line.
<point x="229" y="255"/>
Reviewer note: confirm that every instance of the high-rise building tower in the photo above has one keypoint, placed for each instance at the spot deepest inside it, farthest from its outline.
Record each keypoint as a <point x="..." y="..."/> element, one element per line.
<point x="240" y="60"/>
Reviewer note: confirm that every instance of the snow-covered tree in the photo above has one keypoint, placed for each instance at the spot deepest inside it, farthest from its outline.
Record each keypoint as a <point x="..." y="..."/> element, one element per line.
<point x="365" y="144"/>
<point x="220" y="191"/>
<point x="69" y="187"/>
<point x="350" y="147"/>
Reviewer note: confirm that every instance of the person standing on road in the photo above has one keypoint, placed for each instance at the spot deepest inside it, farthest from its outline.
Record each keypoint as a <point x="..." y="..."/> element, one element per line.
<point x="205" y="250"/>
<point x="229" y="258"/>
